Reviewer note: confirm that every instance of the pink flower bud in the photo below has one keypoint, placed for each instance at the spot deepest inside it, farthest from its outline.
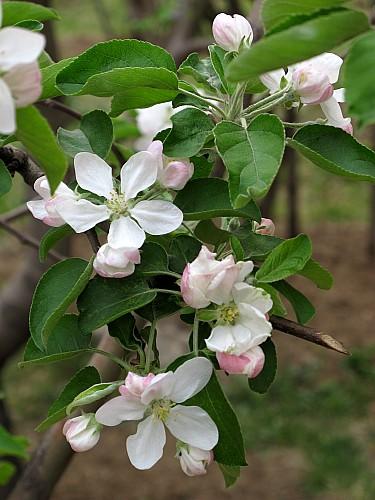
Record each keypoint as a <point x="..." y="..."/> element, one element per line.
<point x="116" y="262"/>
<point x="311" y="84"/>
<point x="82" y="433"/>
<point x="176" y="174"/>
<point x="266" y="227"/>
<point x="230" y="31"/>
<point x="135" y="385"/>
<point x="249" y="363"/>
<point x="194" y="461"/>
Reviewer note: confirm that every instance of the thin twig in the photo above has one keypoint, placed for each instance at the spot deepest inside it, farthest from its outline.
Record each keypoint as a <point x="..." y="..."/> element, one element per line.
<point x="16" y="213"/>
<point x="306" y="333"/>
<point x="93" y="240"/>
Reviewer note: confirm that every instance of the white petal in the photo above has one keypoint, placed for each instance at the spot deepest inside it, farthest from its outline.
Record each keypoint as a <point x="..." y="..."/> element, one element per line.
<point x="138" y="173"/>
<point x="38" y="209"/>
<point x="24" y="81"/>
<point x="332" y="110"/>
<point x="157" y="217"/>
<point x="118" y="410"/>
<point x="160" y="387"/>
<point x="19" y="46"/>
<point x="145" y="447"/>
<point x="339" y="95"/>
<point x="124" y="232"/>
<point x="81" y="215"/>
<point x="329" y="64"/>
<point x="193" y="426"/>
<point x="256" y="297"/>
<point x="190" y="378"/>
<point x="272" y="80"/>
<point x="93" y="174"/>
<point x="221" y="339"/>
<point x="7" y="110"/>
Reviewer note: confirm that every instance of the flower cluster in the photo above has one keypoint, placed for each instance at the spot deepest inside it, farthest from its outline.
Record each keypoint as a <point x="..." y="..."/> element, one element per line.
<point x="20" y="80"/>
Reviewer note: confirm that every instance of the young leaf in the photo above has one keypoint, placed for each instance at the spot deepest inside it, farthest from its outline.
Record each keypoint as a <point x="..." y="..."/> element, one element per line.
<point x="219" y="60"/>
<point x="65" y="341"/>
<point x="230" y="448"/>
<point x="299" y="42"/>
<point x="303" y="308"/>
<point x="208" y="198"/>
<point x="263" y="381"/>
<point x="51" y="238"/>
<point x="335" y="151"/>
<point x="105" y="300"/>
<point x="154" y="260"/>
<point x="183" y="249"/>
<point x="317" y="274"/>
<point x="202" y="72"/>
<point x="208" y="232"/>
<point x="49" y="74"/>
<point x="230" y="474"/>
<point x="36" y="135"/>
<point x="285" y="260"/>
<point x="123" y="330"/>
<point x="57" y="289"/>
<point x="14" y="12"/>
<point x="5" y="179"/>
<point x="92" y="394"/>
<point x="7" y="471"/>
<point x="81" y="381"/>
<point x="191" y="127"/>
<point x="12" y="446"/>
<point x="252" y="156"/>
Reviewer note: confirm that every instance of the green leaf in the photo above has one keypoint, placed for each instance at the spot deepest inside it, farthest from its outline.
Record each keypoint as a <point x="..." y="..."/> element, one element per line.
<point x="65" y="341"/>
<point x="230" y="448"/>
<point x="208" y="232"/>
<point x="274" y="12"/>
<point x="56" y="290"/>
<point x="12" y="446"/>
<point x="285" y="260"/>
<point x="252" y="156"/>
<point x="202" y="72"/>
<point x="203" y="166"/>
<point x="183" y="249"/>
<point x="51" y="238"/>
<point x="230" y="474"/>
<point x="318" y="274"/>
<point x="191" y="127"/>
<point x="154" y="260"/>
<point x="105" y="300"/>
<point x="15" y="12"/>
<point x="302" y="307"/>
<point x="31" y="25"/>
<point x="49" y="74"/>
<point x="94" y="393"/>
<point x="263" y="381"/>
<point x="81" y="381"/>
<point x="359" y="92"/>
<point x="278" y="308"/>
<point x="208" y="198"/>
<point x="7" y="471"/>
<point x="297" y="43"/>
<point x="220" y="60"/>
<point x="36" y="135"/>
<point x="335" y="151"/>
<point x="123" y="330"/>
<point x="5" y="179"/>
<point x="162" y="306"/>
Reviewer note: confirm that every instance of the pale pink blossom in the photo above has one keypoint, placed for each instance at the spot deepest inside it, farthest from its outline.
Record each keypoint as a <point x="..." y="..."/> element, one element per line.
<point x="135" y="385"/>
<point x="172" y="174"/>
<point x="116" y="262"/>
<point x="249" y="363"/>
<point x="231" y="31"/>
<point x="207" y="280"/>
<point x="266" y="227"/>
<point x="194" y="461"/>
<point x="82" y="433"/>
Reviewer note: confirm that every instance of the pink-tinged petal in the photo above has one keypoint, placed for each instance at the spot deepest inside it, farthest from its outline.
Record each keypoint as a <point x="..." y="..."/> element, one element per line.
<point x="339" y="95"/>
<point x="138" y="173"/>
<point x="82" y="433"/>
<point x="194" y="461"/>
<point x="19" y="46"/>
<point x="160" y="387"/>
<point x="249" y="363"/>
<point x="24" y="81"/>
<point x="157" y="217"/>
<point x="135" y="385"/>
<point x="93" y="174"/>
<point x="256" y="297"/>
<point x="176" y="174"/>
<point x="220" y="288"/>
<point x="192" y="295"/>
<point x="125" y="232"/>
<point x="328" y="64"/>
<point x="113" y="263"/>
<point x="332" y="110"/>
<point x="145" y="448"/>
<point x="194" y="426"/>
<point x="119" y="410"/>
<point x="229" y="31"/>
<point x="7" y="109"/>
<point x="190" y="378"/>
<point x="272" y="80"/>
<point x="38" y="209"/>
<point x="81" y="215"/>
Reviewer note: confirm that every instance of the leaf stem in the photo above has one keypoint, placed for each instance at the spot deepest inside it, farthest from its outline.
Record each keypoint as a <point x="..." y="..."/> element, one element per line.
<point x="164" y="290"/>
<point x="319" y="121"/>
<point x="203" y="99"/>
<point x="126" y="366"/>
<point x="195" y="335"/>
<point x="150" y="345"/>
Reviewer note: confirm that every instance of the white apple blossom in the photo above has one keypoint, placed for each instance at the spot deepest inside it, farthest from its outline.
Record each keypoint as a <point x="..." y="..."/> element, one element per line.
<point x="20" y="80"/>
<point x="249" y="363"/>
<point x="151" y="121"/>
<point x="159" y="401"/>
<point x="45" y="209"/>
<point x="242" y="322"/>
<point x="82" y="433"/>
<point x="207" y="280"/>
<point x="194" y="461"/>
<point x="130" y="215"/>
<point x="171" y="174"/>
<point x="116" y="262"/>
<point x="231" y="31"/>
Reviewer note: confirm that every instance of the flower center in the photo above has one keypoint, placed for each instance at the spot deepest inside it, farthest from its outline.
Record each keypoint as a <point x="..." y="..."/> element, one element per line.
<point x="117" y="204"/>
<point x="229" y="314"/>
<point x="161" y="409"/>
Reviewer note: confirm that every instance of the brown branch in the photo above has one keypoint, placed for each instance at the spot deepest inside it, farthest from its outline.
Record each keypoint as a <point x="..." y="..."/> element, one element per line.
<point x="306" y="333"/>
<point x="16" y="213"/>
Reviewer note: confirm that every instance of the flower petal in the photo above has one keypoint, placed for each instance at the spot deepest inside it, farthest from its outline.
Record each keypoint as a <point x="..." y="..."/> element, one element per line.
<point x="81" y="215"/>
<point x="329" y="64"/>
<point x="19" y="46"/>
<point x="24" y="81"/>
<point x="38" y="209"/>
<point x="193" y="426"/>
<point x="125" y="232"/>
<point x="145" y="447"/>
<point x="160" y="387"/>
<point x="272" y="80"/>
<point x="190" y="378"/>
<point x="221" y="339"/>
<point x="93" y="174"/>
<point x="138" y="173"/>
<point x="7" y="110"/>
<point x="256" y="297"/>
<point x="118" y="410"/>
<point x="157" y="217"/>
